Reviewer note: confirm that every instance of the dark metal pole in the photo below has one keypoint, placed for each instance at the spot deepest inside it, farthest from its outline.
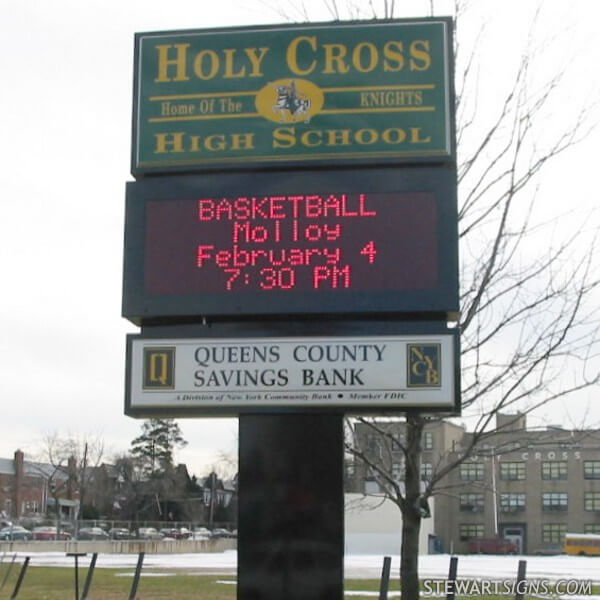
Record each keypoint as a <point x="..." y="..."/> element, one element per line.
<point x="452" y="578"/>
<point x="90" y="574"/>
<point x="385" y="578"/>
<point x="76" y="555"/>
<point x="520" y="579"/>
<point x="21" y="577"/>
<point x="76" y="577"/>
<point x="136" y="577"/>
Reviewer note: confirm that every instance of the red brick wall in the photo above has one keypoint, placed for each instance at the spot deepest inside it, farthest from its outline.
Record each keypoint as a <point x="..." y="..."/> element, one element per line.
<point x="21" y="490"/>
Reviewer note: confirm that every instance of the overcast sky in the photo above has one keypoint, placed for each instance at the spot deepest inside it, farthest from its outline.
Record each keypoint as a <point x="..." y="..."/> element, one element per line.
<point x="65" y="133"/>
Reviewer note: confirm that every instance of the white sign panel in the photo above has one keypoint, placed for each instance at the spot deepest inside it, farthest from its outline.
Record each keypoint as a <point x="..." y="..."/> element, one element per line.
<point x="234" y="374"/>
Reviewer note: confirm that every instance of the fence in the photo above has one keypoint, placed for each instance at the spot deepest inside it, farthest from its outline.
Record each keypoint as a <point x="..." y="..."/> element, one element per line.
<point x="11" y="561"/>
<point x="134" y="546"/>
<point x="88" y="580"/>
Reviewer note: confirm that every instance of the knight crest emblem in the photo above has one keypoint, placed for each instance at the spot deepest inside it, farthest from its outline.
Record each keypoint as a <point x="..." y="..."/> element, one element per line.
<point x="289" y="101"/>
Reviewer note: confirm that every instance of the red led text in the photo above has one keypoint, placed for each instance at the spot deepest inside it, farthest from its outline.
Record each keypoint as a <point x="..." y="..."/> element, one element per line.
<point x="280" y="242"/>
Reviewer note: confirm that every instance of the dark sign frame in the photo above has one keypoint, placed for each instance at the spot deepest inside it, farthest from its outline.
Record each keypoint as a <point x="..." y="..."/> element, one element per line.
<point x="141" y="307"/>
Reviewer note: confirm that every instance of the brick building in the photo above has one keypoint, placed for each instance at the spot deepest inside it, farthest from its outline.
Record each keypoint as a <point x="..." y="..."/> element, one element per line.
<point x="31" y="489"/>
<point x="528" y="485"/>
<point x="24" y="487"/>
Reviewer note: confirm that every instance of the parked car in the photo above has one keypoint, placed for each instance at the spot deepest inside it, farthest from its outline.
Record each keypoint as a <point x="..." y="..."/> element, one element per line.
<point x="149" y="533"/>
<point x="219" y="532"/>
<point x="176" y="533"/>
<point x="201" y="533"/>
<point x="550" y="550"/>
<point x="49" y="533"/>
<point x="92" y="533"/>
<point x="120" y="533"/>
<point x="492" y="546"/>
<point x="15" y="532"/>
<point x="169" y="533"/>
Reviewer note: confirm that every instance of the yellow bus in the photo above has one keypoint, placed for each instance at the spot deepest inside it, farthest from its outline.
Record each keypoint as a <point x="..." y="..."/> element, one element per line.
<point x="582" y="544"/>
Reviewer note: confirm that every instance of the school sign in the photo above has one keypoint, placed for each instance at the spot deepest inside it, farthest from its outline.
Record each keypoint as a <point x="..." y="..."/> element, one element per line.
<point x="335" y="94"/>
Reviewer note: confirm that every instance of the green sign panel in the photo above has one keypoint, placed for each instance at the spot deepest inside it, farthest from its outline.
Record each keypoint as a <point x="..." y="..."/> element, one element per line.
<point x="345" y="93"/>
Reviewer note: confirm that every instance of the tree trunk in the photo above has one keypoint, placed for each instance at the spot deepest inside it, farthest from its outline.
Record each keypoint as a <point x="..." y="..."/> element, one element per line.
<point x="411" y="515"/>
<point x="409" y="562"/>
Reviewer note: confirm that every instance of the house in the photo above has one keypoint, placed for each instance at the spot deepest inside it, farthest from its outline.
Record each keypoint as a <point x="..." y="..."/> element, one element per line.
<point x="31" y="489"/>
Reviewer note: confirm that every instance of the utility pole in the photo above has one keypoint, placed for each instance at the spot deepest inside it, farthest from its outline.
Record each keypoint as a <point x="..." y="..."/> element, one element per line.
<point x="211" y="513"/>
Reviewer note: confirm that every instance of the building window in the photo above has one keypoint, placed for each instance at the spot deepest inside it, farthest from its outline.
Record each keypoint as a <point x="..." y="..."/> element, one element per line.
<point x="350" y="468"/>
<point x="591" y="469"/>
<point x="471" y="503"/>
<point x="426" y="471"/>
<point x="512" y="470"/>
<point x="428" y="440"/>
<point x="554" y="469"/>
<point x="374" y="445"/>
<point x="592" y="528"/>
<point x="29" y="507"/>
<point x="469" y="531"/>
<point x="397" y="443"/>
<point x="556" y="501"/>
<point x="398" y="471"/>
<point x="512" y="503"/>
<point x="370" y="475"/>
<point x="372" y="487"/>
<point x="553" y="533"/>
<point x="591" y="501"/>
<point x="471" y="471"/>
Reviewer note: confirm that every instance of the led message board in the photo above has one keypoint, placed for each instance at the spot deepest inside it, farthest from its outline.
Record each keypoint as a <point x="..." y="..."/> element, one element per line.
<point x="300" y="244"/>
<point x="290" y="95"/>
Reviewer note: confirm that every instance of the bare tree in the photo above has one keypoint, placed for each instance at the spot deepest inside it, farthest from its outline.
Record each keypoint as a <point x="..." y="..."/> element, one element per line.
<point x="131" y="479"/>
<point x="70" y="464"/>
<point x="529" y="324"/>
<point x="52" y="468"/>
<point x="527" y="287"/>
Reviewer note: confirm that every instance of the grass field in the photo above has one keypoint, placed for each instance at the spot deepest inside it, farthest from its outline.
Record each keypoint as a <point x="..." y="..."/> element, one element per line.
<point x="58" y="583"/>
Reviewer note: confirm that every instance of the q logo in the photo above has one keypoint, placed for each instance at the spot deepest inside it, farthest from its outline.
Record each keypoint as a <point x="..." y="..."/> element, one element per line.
<point x="159" y="368"/>
<point x="424" y="368"/>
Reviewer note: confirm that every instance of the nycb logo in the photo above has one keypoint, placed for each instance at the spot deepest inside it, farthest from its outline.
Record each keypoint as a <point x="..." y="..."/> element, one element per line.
<point x="424" y="365"/>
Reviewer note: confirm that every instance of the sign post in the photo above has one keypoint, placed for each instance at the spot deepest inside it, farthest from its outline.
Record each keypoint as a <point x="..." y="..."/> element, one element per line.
<point x="291" y="509"/>
<point x="291" y="255"/>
